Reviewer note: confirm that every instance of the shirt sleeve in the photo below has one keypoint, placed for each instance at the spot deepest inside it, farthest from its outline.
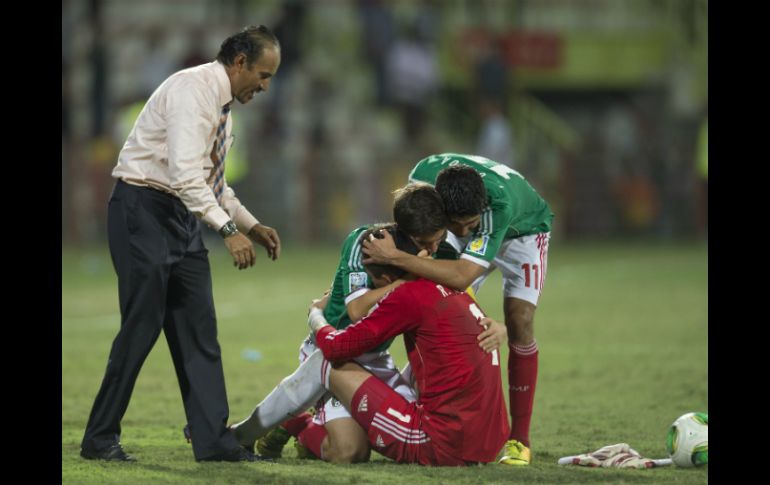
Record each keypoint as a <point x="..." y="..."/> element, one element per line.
<point x="397" y="312"/>
<point x="189" y="127"/>
<point x="238" y="213"/>
<point x="485" y="244"/>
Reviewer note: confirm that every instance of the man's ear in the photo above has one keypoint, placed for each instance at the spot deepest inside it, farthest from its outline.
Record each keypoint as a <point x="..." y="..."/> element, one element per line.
<point x="240" y="60"/>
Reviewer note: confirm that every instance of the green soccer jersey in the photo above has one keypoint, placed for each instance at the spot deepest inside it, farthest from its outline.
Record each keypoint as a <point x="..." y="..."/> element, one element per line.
<point x="350" y="280"/>
<point x="514" y="208"/>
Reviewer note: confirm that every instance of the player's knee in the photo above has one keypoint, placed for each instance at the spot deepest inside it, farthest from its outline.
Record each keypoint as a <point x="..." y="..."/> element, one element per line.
<point x="346" y="452"/>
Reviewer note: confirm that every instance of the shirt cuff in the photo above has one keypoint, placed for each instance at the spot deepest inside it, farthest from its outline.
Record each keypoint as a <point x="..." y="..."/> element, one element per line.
<point x="321" y="335"/>
<point x="244" y="220"/>
<point x="216" y="218"/>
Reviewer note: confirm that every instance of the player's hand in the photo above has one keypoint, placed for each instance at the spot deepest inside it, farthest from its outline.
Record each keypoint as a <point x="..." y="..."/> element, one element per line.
<point x="268" y="238"/>
<point x="319" y="303"/>
<point x="241" y="250"/>
<point x="494" y="335"/>
<point x="380" y="251"/>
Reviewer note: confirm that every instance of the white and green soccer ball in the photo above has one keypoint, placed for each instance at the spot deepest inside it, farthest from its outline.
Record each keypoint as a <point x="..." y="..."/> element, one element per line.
<point x="687" y="440"/>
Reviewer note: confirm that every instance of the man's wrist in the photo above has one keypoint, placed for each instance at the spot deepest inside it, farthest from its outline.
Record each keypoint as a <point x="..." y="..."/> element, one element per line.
<point x="316" y="320"/>
<point x="229" y="229"/>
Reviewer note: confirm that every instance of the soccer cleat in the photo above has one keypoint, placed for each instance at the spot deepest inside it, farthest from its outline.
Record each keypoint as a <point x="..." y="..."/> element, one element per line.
<point x="302" y="452"/>
<point x="515" y="453"/>
<point x="271" y="445"/>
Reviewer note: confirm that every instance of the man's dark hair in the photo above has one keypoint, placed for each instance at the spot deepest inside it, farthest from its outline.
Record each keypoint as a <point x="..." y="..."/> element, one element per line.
<point x="462" y="190"/>
<point x="418" y="209"/>
<point x="250" y="41"/>
<point x="403" y="242"/>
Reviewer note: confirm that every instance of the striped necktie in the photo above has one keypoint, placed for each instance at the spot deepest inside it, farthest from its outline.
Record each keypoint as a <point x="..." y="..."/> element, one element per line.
<point x="217" y="179"/>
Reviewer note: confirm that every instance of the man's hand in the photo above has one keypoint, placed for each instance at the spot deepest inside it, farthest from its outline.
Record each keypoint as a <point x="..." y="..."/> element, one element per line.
<point x="241" y="250"/>
<point x="268" y="238"/>
<point x="380" y="251"/>
<point x="319" y="303"/>
<point x="494" y="335"/>
<point x="424" y="254"/>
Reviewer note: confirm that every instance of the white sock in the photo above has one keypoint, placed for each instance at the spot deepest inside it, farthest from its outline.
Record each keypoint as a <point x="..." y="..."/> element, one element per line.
<point x="293" y="395"/>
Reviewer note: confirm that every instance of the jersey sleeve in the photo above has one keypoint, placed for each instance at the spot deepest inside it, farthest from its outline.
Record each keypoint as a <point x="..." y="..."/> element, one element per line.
<point x="486" y="242"/>
<point x="350" y="280"/>
<point x="353" y="275"/>
<point x="396" y="313"/>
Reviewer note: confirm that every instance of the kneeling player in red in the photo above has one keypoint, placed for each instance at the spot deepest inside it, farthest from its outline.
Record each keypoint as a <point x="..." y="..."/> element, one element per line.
<point x="460" y="416"/>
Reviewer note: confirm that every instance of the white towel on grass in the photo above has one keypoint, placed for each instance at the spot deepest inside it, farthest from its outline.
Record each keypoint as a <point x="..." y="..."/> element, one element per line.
<point x="620" y="455"/>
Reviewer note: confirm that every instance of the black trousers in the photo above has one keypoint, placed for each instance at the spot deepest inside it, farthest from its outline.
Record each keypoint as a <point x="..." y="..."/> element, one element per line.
<point x="164" y="282"/>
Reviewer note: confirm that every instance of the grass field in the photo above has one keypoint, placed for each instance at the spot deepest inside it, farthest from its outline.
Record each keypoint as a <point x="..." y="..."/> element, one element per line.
<point x="622" y="330"/>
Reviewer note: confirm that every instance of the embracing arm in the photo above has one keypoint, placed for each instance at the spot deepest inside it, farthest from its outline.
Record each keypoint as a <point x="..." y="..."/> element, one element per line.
<point x="457" y="274"/>
<point x="395" y="314"/>
<point x="359" y="307"/>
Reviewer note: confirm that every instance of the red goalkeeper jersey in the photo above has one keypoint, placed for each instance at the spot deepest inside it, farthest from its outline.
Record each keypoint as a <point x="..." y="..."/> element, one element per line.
<point x="459" y="385"/>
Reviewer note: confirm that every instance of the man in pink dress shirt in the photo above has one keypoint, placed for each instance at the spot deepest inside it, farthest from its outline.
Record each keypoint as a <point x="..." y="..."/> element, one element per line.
<point x="170" y="178"/>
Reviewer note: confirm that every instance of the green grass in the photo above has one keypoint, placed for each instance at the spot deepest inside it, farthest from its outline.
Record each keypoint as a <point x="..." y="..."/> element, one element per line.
<point x="622" y="331"/>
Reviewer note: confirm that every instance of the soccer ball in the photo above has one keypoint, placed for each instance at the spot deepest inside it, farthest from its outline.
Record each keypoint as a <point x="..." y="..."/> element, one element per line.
<point x="687" y="440"/>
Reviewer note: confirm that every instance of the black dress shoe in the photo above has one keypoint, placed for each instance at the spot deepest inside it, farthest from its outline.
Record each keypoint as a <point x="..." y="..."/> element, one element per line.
<point x="114" y="452"/>
<point x="238" y="454"/>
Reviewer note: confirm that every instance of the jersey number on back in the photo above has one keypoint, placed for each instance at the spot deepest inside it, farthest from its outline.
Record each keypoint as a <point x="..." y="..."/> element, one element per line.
<point x="476" y="312"/>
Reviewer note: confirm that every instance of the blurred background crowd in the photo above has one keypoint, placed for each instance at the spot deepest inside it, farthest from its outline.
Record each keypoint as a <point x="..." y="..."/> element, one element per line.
<point x="601" y="104"/>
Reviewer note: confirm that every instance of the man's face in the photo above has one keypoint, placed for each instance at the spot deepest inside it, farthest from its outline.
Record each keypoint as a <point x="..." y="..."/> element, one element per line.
<point x="462" y="226"/>
<point x="246" y="83"/>
<point x="429" y="242"/>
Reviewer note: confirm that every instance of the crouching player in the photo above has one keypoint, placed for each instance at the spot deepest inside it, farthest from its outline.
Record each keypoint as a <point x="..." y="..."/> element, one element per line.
<point x="332" y="434"/>
<point x="459" y="417"/>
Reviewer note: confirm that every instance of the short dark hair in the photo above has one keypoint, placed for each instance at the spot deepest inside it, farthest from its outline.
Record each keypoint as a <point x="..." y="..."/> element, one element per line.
<point x="419" y="210"/>
<point x="250" y="41"/>
<point x="403" y="242"/>
<point x="462" y="190"/>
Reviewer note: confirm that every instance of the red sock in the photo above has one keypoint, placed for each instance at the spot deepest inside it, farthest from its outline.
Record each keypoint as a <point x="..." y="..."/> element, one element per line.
<point x="295" y="425"/>
<point x="522" y="376"/>
<point x="312" y="437"/>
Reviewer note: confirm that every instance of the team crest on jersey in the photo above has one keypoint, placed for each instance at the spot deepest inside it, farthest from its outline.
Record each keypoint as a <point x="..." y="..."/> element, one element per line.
<point x="478" y="245"/>
<point x="357" y="281"/>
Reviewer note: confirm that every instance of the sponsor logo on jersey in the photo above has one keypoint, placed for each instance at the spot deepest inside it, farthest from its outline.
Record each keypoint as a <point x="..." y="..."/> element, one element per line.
<point x="524" y="388"/>
<point x="357" y="281"/>
<point x="478" y="245"/>
<point x="363" y="405"/>
<point x="380" y="442"/>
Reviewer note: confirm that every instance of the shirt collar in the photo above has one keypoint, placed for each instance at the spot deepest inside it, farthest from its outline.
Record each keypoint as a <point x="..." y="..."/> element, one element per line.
<point x="223" y="83"/>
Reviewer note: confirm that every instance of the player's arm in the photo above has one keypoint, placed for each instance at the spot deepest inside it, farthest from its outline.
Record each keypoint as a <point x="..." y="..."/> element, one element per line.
<point x="395" y="314"/>
<point x="457" y="274"/>
<point x="359" y="307"/>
